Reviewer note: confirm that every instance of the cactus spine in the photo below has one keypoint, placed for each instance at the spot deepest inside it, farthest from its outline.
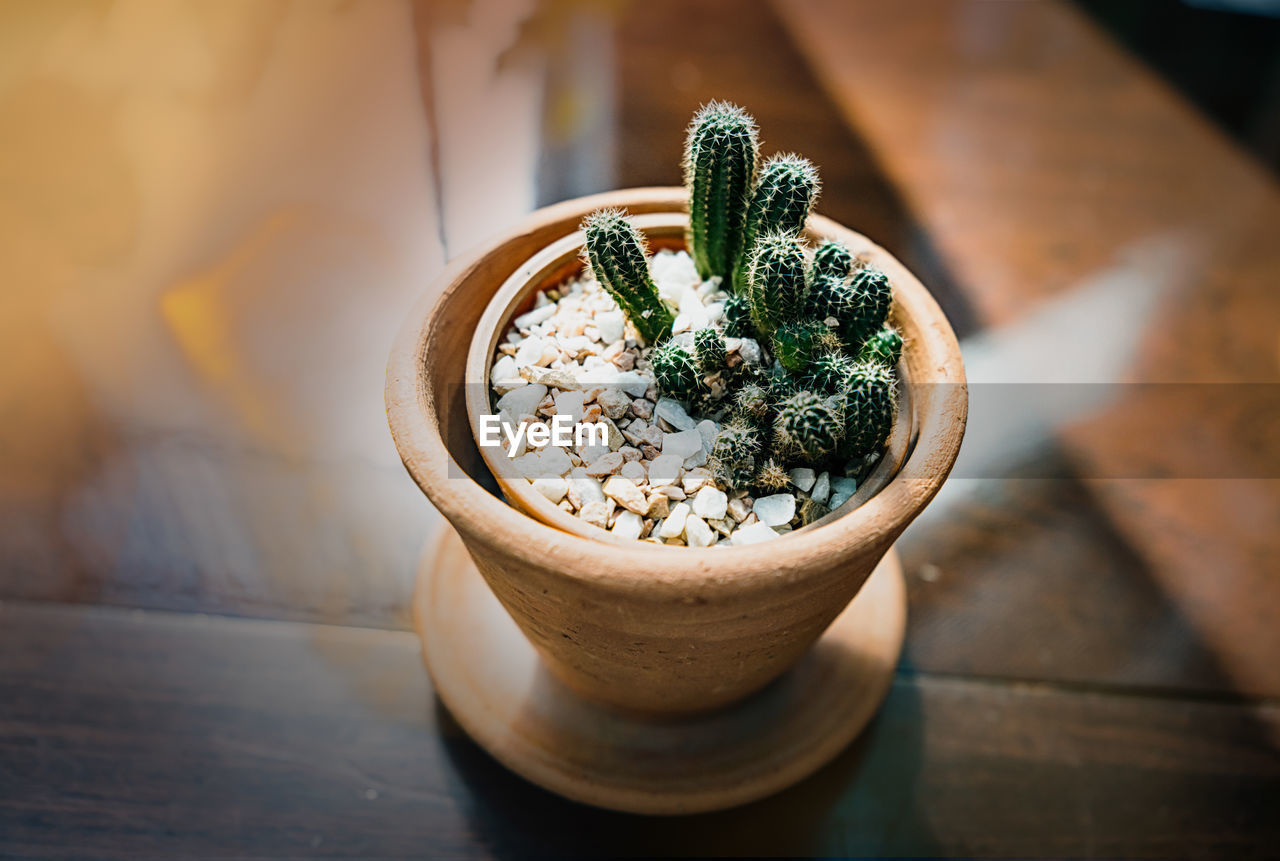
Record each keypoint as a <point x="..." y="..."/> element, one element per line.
<point x="832" y="259"/>
<point x="872" y="296"/>
<point x="676" y="372"/>
<point x="869" y="405"/>
<point x="737" y="317"/>
<point x="781" y="202"/>
<point x="777" y="283"/>
<point x="615" y="251"/>
<point x="809" y="426"/>
<point x="721" y="152"/>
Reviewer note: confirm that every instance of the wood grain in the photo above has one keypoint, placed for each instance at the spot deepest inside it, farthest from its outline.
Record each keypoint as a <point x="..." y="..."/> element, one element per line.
<point x="144" y="735"/>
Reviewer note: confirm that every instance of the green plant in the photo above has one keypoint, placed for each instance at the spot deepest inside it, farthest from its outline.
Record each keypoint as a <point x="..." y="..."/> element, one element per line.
<point x="832" y="259"/>
<point x="776" y="281"/>
<point x="796" y="342"/>
<point x="676" y="372"/>
<point x="720" y="156"/>
<point x="884" y="346"/>
<point x="872" y="295"/>
<point x="737" y="317"/>
<point x="709" y="350"/>
<point x="808" y="425"/>
<point x="615" y="250"/>
<point x="772" y="477"/>
<point x="869" y="403"/>
<point x="780" y="203"/>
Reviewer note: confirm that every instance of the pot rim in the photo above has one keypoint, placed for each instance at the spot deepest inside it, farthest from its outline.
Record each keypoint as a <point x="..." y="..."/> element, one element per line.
<point x="479" y="515"/>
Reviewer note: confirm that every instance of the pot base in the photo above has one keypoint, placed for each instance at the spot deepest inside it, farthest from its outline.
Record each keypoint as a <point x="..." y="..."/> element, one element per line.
<point x="492" y="681"/>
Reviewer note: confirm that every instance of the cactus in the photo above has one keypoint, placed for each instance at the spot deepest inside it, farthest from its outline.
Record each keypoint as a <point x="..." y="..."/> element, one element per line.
<point x="777" y="285"/>
<point x="751" y="403"/>
<point x="869" y="405"/>
<point x="720" y="156"/>
<point x="676" y="372"/>
<point x="872" y="295"/>
<point x="829" y="297"/>
<point x="831" y="374"/>
<point x="780" y="203"/>
<point x="795" y="344"/>
<point x="736" y="441"/>
<point x="615" y="251"/>
<point x="709" y="350"/>
<point x="832" y="259"/>
<point x="808" y="425"/>
<point x="737" y="318"/>
<point x="884" y="346"/>
<point x="772" y="477"/>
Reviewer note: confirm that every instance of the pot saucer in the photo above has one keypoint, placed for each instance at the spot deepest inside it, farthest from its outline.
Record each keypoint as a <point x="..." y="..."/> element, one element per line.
<point x="492" y="681"/>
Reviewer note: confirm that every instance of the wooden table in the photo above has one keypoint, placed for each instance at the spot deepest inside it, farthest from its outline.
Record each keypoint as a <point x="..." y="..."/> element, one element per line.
<point x="212" y="220"/>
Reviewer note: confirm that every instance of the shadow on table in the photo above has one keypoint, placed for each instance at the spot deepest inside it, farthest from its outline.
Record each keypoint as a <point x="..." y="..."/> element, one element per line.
<point x="862" y="803"/>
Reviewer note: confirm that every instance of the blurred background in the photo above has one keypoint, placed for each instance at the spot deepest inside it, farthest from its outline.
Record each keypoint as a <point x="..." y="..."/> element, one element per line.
<point x="215" y="214"/>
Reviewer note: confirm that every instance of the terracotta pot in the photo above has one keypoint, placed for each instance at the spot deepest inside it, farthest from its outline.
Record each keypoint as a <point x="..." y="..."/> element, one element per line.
<point x="640" y="626"/>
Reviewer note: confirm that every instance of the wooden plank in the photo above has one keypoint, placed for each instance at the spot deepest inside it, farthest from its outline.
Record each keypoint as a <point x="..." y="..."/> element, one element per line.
<point x="144" y="735"/>
<point x="1046" y="163"/>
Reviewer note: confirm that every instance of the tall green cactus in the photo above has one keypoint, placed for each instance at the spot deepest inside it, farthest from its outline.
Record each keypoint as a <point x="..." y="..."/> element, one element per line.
<point x="872" y="296"/>
<point x="615" y="251"/>
<point x="780" y="203"/>
<point x="720" y="162"/>
<point x="776" y="281"/>
<point x="737" y="317"/>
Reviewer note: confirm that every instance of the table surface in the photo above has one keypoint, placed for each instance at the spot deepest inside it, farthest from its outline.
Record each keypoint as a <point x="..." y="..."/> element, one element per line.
<point x="213" y="218"/>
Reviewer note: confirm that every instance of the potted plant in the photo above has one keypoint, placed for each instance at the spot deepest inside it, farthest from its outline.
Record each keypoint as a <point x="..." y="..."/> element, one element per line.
<point x="640" y="625"/>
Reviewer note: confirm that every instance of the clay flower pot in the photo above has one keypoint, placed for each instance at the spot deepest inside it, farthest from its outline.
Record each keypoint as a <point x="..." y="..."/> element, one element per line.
<point x="641" y="626"/>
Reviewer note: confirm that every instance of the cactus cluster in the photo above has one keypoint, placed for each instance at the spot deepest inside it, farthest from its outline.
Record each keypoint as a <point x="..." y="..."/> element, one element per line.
<point x="822" y="394"/>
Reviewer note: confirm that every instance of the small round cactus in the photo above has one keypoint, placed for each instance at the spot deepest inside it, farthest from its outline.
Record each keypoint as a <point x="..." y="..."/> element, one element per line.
<point x="832" y="259"/>
<point x="676" y="372"/>
<point x="831" y="374"/>
<point x="808" y="425"/>
<point x="780" y="203"/>
<point x="709" y="350"/>
<point x="777" y="283"/>
<point x="872" y="296"/>
<point x="615" y="250"/>
<point x="735" y="442"/>
<point x="884" y="346"/>
<point x="772" y="477"/>
<point x="751" y="403"/>
<point x="829" y="297"/>
<point x="720" y="162"/>
<point x="869" y="405"/>
<point x="794" y="344"/>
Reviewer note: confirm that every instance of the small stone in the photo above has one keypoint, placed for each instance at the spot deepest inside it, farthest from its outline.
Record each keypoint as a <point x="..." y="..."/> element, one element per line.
<point x="695" y="479"/>
<point x="553" y="489"/>
<point x="616" y="439"/>
<point x="672" y="491"/>
<point x="710" y="503"/>
<point x="522" y="400"/>
<point x="697" y="533"/>
<point x="750" y="351"/>
<point x="624" y="361"/>
<point x="635" y="432"/>
<point x="673" y="526"/>
<point x="685" y="444"/>
<point x="505" y="369"/>
<point x="570" y="404"/>
<point x="633" y="383"/>
<point x="634" y="470"/>
<point x="652" y="435"/>
<point x="531" y="351"/>
<point x="708" y="429"/>
<point x="593" y="414"/>
<point x="737" y="509"/>
<point x="629" y="453"/>
<point x="628" y="524"/>
<point x="650" y="452"/>
<point x="583" y="489"/>
<point x="536" y="316"/>
<point x="642" y="408"/>
<point x="614" y="402"/>
<point x="821" y="488"/>
<point x="841" y="489"/>
<point x="775" y="510"/>
<point x="597" y="513"/>
<point x="665" y="469"/>
<point x="803" y="478"/>
<point x="605" y="464"/>
<point x="593" y="450"/>
<point x="724" y="526"/>
<point x="610" y="325"/>
<point x="566" y="506"/>
<point x="659" y="506"/>
<point x="625" y="492"/>
<point x="557" y="377"/>
<point x="674" y="414"/>
<point x="752" y="534"/>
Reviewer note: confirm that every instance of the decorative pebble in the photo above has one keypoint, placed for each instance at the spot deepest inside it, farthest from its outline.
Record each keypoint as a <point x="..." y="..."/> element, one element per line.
<point x="821" y="488"/>
<point x="674" y="414"/>
<point x="752" y="534"/>
<point x="665" y="469"/>
<point x="553" y="489"/>
<point x="659" y="506"/>
<point x="695" y="479"/>
<point x="642" y="408"/>
<point x="610" y="325"/>
<point x="710" y="503"/>
<point x="802" y="477"/>
<point x="628" y="525"/>
<point x="534" y="317"/>
<point x="634" y="470"/>
<point x="841" y="489"/>
<point x="697" y="533"/>
<point x="522" y="400"/>
<point x="570" y="404"/>
<point x="633" y="383"/>
<point x="583" y="489"/>
<point x="614" y="402"/>
<point x="597" y="513"/>
<point x="626" y="494"/>
<point x="775" y="510"/>
<point x="673" y="526"/>
<point x="708" y="430"/>
<point x="605" y="464"/>
<point x="685" y="444"/>
<point x="737" y="509"/>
